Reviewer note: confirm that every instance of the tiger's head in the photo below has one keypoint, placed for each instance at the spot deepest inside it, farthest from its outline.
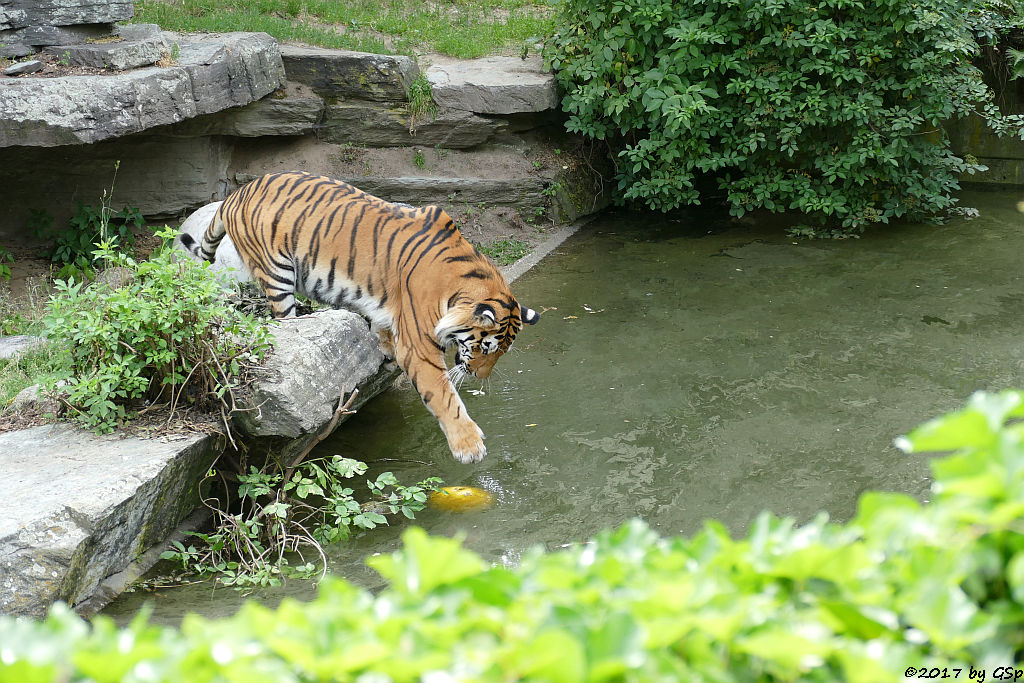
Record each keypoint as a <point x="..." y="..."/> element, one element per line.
<point x="482" y="331"/>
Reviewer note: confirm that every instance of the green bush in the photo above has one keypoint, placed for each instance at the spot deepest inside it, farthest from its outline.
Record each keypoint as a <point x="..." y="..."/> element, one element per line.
<point x="832" y="109"/>
<point x="165" y="333"/>
<point x="904" y="590"/>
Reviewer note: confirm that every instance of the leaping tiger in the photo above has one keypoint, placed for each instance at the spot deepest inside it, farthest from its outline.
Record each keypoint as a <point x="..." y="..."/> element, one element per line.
<point x="409" y="270"/>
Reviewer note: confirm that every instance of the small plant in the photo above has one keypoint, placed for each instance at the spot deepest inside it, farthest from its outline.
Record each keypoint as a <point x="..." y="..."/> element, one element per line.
<point x="74" y="245"/>
<point x="165" y="335"/>
<point x="421" y="102"/>
<point x="5" y="257"/>
<point x="65" y="59"/>
<point x="299" y="508"/>
<point x="417" y="158"/>
<point x="506" y="251"/>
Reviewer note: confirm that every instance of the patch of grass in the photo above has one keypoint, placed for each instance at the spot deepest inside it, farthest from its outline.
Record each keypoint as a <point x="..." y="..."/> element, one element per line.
<point x="506" y="251"/>
<point x="32" y="367"/>
<point x="464" y="29"/>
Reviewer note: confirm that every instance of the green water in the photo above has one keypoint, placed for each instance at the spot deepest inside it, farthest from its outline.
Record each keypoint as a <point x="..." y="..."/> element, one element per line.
<point x="697" y="367"/>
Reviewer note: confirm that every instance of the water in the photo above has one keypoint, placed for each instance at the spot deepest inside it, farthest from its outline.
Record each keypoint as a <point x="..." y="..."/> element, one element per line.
<point x="696" y="368"/>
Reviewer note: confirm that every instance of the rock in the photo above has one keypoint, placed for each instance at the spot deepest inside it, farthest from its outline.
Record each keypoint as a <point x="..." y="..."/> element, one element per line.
<point x="317" y="358"/>
<point x="227" y="261"/>
<point x="116" y="498"/>
<point x="363" y="123"/>
<point x="524" y="194"/>
<point x="115" y="56"/>
<point x="27" y="67"/>
<point x="15" y="50"/>
<point x="297" y="111"/>
<point x="22" y="13"/>
<point x="138" y="31"/>
<point x="39" y="36"/>
<point x="33" y="399"/>
<point x="493" y="85"/>
<point x="236" y="69"/>
<point x="347" y="74"/>
<point x="15" y="345"/>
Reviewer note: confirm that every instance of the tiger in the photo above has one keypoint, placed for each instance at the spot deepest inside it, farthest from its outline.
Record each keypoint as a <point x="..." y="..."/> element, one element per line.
<point x="423" y="286"/>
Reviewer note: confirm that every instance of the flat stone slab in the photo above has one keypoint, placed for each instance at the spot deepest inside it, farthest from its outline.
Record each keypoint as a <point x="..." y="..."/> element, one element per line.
<point x="115" y="56"/>
<point x="524" y="194"/>
<point x="213" y="73"/>
<point x="349" y="74"/>
<point x="27" y="67"/>
<point x="376" y="125"/>
<point x="493" y="85"/>
<point x="79" y="507"/>
<point x="21" y="13"/>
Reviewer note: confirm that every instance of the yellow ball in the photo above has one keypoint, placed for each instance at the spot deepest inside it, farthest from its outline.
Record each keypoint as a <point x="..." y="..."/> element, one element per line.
<point x="461" y="499"/>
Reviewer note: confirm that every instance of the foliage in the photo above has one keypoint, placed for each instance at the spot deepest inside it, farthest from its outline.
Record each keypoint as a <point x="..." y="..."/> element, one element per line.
<point x="299" y="509"/>
<point x="73" y="245"/>
<point x="5" y="257"/>
<point x="421" y="104"/>
<point x="164" y="334"/>
<point x="506" y="251"/>
<point x="465" y="29"/>
<point x="833" y="110"/>
<point x="903" y="589"/>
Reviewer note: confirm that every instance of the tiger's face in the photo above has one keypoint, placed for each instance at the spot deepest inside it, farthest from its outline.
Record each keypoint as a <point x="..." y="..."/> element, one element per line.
<point x="482" y="332"/>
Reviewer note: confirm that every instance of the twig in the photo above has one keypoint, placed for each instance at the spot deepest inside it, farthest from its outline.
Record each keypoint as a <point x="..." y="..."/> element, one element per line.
<point x="342" y="409"/>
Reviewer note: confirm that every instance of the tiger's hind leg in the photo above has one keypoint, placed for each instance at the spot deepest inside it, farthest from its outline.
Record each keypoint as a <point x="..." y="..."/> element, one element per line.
<point x="427" y="372"/>
<point x="280" y="290"/>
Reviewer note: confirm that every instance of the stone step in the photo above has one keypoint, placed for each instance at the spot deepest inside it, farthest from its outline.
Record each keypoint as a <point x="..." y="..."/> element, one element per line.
<point x="117" y="497"/>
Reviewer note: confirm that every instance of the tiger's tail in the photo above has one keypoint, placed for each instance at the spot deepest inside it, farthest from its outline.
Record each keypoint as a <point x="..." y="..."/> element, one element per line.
<point x="211" y="239"/>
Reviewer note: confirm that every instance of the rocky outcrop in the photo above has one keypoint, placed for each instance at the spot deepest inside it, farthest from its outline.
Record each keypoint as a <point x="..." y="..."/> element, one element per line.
<point x="59" y="542"/>
<point x="210" y="76"/>
<point x="317" y="359"/>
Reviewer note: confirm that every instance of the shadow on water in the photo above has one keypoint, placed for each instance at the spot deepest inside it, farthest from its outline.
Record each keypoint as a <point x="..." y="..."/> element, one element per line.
<point x="694" y="368"/>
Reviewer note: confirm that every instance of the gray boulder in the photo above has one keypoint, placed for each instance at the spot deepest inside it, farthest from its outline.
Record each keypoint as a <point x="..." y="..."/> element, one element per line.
<point x="317" y="359"/>
<point x="348" y="74"/>
<point x="117" y="497"/>
<point x="493" y="85"/>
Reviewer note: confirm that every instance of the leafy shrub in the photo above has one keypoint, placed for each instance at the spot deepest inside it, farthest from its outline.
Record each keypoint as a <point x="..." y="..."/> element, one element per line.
<point x="903" y="590"/>
<point x="830" y="109"/>
<point x="164" y="334"/>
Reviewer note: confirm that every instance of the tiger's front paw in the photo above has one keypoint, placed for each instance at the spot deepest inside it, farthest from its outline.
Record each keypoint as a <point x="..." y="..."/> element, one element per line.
<point x="467" y="445"/>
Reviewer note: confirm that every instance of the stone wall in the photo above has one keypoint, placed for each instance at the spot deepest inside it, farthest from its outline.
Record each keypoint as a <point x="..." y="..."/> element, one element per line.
<point x="29" y="25"/>
<point x="338" y="113"/>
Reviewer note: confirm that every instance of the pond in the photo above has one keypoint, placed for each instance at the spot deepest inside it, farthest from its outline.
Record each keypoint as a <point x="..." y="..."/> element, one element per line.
<point x="694" y="367"/>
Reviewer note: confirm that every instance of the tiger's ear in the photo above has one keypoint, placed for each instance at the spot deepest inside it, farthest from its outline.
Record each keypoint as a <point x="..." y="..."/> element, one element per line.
<point x="530" y="316"/>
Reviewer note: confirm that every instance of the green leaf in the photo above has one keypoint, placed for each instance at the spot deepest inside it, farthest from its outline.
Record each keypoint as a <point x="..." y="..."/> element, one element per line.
<point x="424" y="563"/>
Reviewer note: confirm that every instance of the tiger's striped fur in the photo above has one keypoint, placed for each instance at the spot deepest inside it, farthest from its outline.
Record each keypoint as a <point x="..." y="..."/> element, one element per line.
<point x="423" y="287"/>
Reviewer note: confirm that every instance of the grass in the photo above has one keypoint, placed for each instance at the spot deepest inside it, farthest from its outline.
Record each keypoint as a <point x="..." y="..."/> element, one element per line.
<point x="24" y="317"/>
<point x="459" y="28"/>
<point x="506" y="251"/>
